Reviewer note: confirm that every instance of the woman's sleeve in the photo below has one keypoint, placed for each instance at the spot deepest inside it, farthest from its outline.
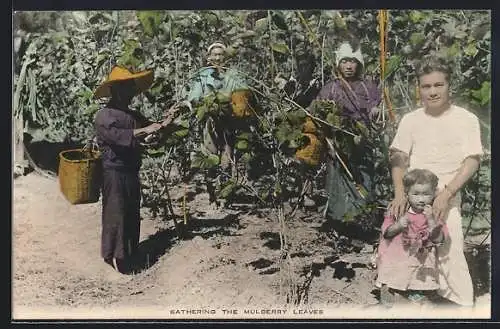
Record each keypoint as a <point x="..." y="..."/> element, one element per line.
<point x="375" y="94"/>
<point x="326" y="93"/>
<point x="403" y="139"/>
<point x="106" y="129"/>
<point x="194" y="90"/>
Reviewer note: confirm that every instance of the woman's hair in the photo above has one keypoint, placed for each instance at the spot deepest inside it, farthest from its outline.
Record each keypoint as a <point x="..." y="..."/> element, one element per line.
<point x="419" y="176"/>
<point x="431" y="63"/>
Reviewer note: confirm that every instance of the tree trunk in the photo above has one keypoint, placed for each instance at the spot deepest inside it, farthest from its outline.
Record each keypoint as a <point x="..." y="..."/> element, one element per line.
<point x="20" y="163"/>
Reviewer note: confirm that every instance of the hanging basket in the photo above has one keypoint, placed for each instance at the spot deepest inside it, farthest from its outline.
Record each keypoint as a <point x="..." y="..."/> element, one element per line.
<point x="241" y="103"/>
<point x="80" y="174"/>
<point x="309" y="126"/>
<point x="311" y="153"/>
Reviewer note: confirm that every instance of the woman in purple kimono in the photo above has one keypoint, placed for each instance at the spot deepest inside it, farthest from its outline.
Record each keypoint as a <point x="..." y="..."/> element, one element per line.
<point x="119" y="131"/>
<point x="357" y="100"/>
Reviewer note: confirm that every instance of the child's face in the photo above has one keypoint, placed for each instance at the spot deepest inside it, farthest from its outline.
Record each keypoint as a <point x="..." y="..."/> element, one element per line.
<point x="420" y="195"/>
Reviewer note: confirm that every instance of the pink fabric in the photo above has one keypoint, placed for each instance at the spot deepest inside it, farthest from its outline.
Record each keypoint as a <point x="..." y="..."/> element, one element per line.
<point x="408" y="260"/>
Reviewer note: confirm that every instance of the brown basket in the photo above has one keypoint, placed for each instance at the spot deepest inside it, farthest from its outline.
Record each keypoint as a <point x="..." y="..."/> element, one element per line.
<point x="309" y="126"/>
<point x="241" y="100"/>
<point x="310" y="153"/>
<point x="80" y="175"/>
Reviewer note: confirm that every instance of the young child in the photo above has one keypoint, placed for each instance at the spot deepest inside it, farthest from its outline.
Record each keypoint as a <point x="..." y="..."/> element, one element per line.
<point x="407" y="262"/>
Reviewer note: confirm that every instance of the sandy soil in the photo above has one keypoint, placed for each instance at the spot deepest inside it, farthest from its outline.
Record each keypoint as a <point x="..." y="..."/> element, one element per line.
<point x="230" y="260"/>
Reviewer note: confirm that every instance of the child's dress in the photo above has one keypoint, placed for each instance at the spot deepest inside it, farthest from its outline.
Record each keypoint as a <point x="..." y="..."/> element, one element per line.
<point x="408" y="260"/>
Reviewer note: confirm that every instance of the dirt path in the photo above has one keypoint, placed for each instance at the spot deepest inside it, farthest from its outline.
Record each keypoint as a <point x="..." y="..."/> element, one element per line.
<point x="229" y="261"/>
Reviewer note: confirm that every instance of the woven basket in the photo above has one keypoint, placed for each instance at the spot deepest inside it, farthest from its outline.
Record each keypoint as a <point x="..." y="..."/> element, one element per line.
<point x="310" y="153"/>
<point x="80" y="175"/>
<point x="309" y="126"/>
<point x="241" y="103"/>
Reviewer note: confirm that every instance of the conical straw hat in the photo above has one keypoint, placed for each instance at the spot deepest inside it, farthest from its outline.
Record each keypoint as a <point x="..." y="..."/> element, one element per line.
<point x="143" y="80"/>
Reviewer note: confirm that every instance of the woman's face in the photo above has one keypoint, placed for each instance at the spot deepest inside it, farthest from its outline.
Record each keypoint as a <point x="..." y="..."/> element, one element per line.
<point x="124" y="91"/>
<point x="434" y="91"/>
<point x="216" y="56"/>
<point x="348" y="67"/>
<point x="420" y="195"/>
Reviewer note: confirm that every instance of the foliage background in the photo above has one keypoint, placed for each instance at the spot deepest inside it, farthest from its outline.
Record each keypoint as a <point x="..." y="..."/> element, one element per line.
<point x="60" y="58"/>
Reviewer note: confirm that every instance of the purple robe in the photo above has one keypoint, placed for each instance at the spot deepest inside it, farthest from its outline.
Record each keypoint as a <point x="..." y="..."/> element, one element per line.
<point x="121" y="159"/>
<point x="355" y="99"/>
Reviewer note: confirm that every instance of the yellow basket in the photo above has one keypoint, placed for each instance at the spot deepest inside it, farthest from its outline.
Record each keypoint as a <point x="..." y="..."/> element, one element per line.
<point x="241" y="103"/>
<point x="80" y="175"/>
<point x="310" y="153"/>
<point x="309" y="126"/>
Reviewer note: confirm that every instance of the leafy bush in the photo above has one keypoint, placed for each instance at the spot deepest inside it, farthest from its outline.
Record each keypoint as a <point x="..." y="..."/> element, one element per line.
<point x="67" y="60"/>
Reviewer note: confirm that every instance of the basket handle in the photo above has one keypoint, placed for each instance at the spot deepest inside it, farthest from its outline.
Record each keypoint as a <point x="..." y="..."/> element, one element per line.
<point x="91" y="145"/>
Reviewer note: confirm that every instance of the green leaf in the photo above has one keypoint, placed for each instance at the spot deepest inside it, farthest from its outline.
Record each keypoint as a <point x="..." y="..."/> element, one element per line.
<point x="471" y="49"/>
<point x="228" y="189"/>
<point x="451" y="51"/>
<point x="280" y="48"/>
<point x="244" y="136"/>
<point x="181" y="133"/>
<point x="150" y="21"/>
<point x="241" y="145"/>
<point x="483" y="95"/>
<point x="261" y="25"/>
<point x="334" y="119"/>
<point x="203" y="161"/>
<point x="201" y="111"/>
<point x="156" y="153"/>
<point x="392" y="65"/>
<point x="416" y="39"/>
<point x="279" y="20"/>
<point x="416" y="16"/>
<point x="246" y="34"/>
<point x="92" y="109"/>
<point x="339" y="21"/>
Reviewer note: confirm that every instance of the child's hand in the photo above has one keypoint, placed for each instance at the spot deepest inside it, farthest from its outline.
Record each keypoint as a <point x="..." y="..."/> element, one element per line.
<point x="428" y="211"/>
<point x="403" y="221"/>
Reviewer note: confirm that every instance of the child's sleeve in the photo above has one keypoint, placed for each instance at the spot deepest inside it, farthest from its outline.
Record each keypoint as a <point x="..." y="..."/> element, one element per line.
<point x="388" y="221"/>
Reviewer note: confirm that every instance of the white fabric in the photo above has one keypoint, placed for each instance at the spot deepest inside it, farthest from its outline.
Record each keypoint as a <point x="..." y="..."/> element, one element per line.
<point x="216" y="44"/>
<point x="441" y="144"/>
<point x="345" y="51"/>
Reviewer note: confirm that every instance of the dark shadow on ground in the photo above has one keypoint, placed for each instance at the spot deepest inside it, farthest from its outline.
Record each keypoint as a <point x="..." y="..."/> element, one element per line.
<point x="350" y="230"/>
<point x="273" y="240"/>
<point x="342" y="270"/>
<point x="209" y="227"/>
<point x="151" y="249"/>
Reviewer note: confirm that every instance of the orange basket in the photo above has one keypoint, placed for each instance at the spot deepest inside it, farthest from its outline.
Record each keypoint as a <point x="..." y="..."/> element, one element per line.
<point x="310" y="153"/>
<point x="241" y="100"/>
<point x="80" y="175"/>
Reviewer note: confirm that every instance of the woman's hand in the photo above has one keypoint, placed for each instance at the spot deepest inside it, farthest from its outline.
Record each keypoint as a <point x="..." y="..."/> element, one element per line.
<point x="441" y="204"/>
<point x="374" y="112"/>
<point x="398" y="206"/>
<point x="147" y="130"/>
<point x="152" y="128"/>
<point x="169" y="116"/>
